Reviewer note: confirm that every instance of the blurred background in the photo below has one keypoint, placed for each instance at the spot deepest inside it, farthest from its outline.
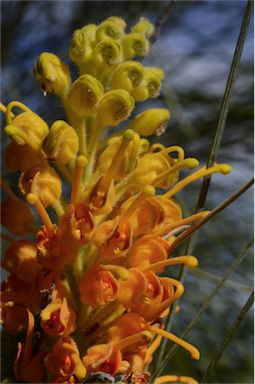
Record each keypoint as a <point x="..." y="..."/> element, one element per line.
<point x="195" y="48"/>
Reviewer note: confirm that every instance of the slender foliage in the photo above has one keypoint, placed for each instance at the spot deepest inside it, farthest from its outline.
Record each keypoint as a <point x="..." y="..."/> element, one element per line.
<point x="228" y="337"/>
<point x="204" y="306"/>
<point x="215" y="146"/>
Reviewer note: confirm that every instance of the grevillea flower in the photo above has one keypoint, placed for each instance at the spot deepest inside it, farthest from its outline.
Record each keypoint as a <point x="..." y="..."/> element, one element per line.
<point x="84" y="286"/>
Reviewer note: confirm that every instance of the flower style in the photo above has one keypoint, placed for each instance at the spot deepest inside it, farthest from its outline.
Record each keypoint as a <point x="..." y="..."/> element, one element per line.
<point x="85" y="284"/>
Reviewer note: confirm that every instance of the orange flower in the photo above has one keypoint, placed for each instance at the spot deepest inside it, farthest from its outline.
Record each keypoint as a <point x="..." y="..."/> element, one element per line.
<point x="112" y="240"/>
<point x="132" y="290"/>
<point x="77" y="224"/>
<point x="21" y="157"/>
<point x="98" y="286"/>
<point x="54" y="252"/>
<point x="57" y="319"/>
<point x="103" y="357"/>
<point x="64" y="360"/>
<point x="43" y="181"/>
<point x="27" y="367"/>
<point x="148" y="250"/>
<point x="15" y="298"/>
<point x="15" y="208"/>
<point x="21" y="260"/>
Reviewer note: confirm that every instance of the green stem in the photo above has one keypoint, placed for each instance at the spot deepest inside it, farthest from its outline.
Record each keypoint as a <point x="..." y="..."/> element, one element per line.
<point x="228" y="337"/>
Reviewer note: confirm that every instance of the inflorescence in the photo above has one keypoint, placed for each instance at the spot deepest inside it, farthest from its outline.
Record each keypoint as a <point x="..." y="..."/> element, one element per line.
<point x="84" y="286"/>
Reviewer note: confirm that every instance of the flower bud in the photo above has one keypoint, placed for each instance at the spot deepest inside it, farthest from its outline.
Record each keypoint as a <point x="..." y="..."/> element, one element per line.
<point x="43" y="182"/>
<point x="113" y="28"/>
<point x="85" y="95"/>
<point x="107" y="52"/>
<point x="52" y="74"/>
<point x="81" y="45"/>
<point x="17" y="217"/>
<point x="115" y="107"/>
<point x="150" y="86"/>
<point x="143" y="26"/>
<point x="151" y="122"/>
<point x="20" y="259"/>
<point x="127" y="76"/>
<point x="134" y="44"/>
<point x="27" y="127"/>
<point x="62" y="143"/>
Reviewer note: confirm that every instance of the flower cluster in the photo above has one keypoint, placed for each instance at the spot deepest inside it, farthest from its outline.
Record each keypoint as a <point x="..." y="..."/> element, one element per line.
<point x="84" y="287"/>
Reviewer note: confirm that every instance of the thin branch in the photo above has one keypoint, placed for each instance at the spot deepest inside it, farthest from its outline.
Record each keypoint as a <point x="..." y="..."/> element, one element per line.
<point x="161" y="21"/>
<point x="204" y="306"/>
<point x="228" y="337"/>
<point x="187" y="234"/>
<point x="214" y="150"/>
<point x="213" y="213"/>
<point x="226" y="102"/>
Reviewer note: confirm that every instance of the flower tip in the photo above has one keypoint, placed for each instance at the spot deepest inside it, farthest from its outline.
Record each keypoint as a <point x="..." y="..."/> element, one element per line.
<point x="129" y="134"/>
<point x="32" y="198"/>
<point x="195" y="354"/>
<point x="225" y="168"/>
<point x="149" y="190"/>
<point x="191" y="162"/>
<point x="192" y="262"/>
<point x="82" y="161"/>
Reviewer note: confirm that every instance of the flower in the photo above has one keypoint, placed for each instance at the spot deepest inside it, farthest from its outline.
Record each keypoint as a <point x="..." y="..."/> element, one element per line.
<point x="85" y="285"/>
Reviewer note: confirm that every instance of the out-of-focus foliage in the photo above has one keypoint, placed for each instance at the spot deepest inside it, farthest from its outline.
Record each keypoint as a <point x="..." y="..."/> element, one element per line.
<point x="195" y="48"/>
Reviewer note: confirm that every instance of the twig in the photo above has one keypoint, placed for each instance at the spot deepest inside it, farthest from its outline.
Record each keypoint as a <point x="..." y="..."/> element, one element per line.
<point x="228" y="337"/>
<point x="204" y="306"/>
<point x="214" y="149"/>
<point x="226" y="102"/>
<point x="162" y="20"/>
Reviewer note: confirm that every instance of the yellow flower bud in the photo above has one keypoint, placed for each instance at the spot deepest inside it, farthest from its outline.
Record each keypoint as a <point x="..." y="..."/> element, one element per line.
<point x="144" y="26"/>
<point x="84" y="95"/>
<point x="27" y="127"/>
<point x="113" y="28"/>
<point x="150" y="86"/>
<point x="107" y="52"/>
<point x="81" y="44"/>
<point x="151" y="122"/>
<point x="127" y="76"/>
<point x="115" y="107"/>
<point x="134" y="44"/>
<point x="43" y="182"/>
<point x="62" y="143"/>
<point x="52" y="74"/>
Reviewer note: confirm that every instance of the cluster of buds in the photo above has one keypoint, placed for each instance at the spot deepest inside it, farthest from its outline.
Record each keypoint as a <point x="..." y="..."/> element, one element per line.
<point x="85" y="287"/>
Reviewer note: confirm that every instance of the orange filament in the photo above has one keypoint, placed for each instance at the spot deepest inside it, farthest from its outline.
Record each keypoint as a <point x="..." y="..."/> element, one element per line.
<point x="171" y="149"/>
<point x="143" y="336"/>
<point x="189" y="162"/>
<point x="152" y="348"/>
<point x="178" y="223"/>
<point x="177" y="294"/>
<point x="146" y="192"/>
<point x="202" y="172"/>
<point x="32" y="198"/>
<point x="134" y="153"/>
<point x="109" y="175"/>
<point x="28" y="344"/>
<point x="190" y="261"/>
<point x="194" y="352"/>
<point x="175" y="379"/>
<point x="3" y="109"/>
<point x="80" y="164"/>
